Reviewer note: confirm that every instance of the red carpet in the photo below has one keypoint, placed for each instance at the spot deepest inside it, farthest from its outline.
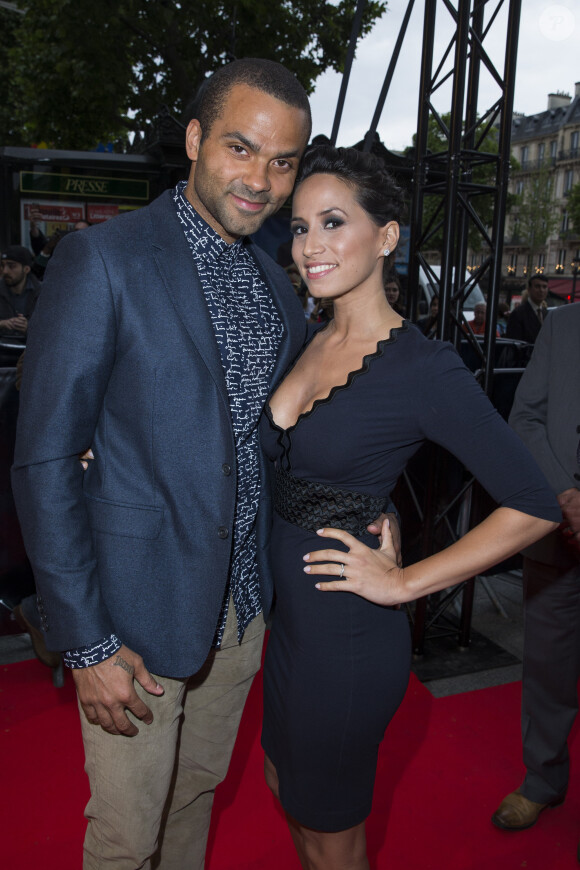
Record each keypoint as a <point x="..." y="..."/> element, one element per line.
<point x="444" y="766"/>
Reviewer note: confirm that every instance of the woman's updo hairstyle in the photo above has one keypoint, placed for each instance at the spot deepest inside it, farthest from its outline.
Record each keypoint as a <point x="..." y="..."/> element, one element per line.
<point x="374" y="189"/>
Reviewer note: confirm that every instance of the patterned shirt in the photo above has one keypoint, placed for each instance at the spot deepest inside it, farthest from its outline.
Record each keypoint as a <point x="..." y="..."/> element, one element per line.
<point x="248" y="332"/>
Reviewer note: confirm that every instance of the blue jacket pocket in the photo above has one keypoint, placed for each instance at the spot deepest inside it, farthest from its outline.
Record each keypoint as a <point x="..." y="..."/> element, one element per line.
<point x="129" y="521"/>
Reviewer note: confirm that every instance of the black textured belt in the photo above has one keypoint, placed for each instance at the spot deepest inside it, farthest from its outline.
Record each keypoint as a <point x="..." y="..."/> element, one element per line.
<point x="314" y="505"/>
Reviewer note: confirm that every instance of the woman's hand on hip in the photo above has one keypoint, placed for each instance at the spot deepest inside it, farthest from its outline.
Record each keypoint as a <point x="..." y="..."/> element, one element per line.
<point x="372" y="574"/>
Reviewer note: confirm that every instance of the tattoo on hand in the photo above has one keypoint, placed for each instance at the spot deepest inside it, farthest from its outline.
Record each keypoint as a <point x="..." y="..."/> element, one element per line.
<point x="121" y="663"/>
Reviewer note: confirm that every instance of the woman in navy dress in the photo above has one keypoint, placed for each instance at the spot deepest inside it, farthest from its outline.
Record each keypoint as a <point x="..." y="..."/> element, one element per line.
<point x="366" y="392"/>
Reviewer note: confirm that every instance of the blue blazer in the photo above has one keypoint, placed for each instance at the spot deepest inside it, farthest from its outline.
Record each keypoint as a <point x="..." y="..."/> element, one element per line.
<point x="122" y="356"/>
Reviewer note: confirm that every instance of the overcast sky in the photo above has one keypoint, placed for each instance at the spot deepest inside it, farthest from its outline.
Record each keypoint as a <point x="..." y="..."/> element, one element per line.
<point x="547" y="62"/>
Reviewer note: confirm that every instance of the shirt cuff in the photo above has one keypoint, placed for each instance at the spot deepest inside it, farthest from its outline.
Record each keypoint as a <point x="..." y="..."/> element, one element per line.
<point x="94" y="654"/>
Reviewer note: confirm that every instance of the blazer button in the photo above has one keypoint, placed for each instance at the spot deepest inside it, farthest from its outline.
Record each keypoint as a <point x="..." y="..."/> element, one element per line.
<point x="223" y="532"/>
<point x="226" y="469"/>
<point x="578" y="430"/>
<point x="577" y="476"/>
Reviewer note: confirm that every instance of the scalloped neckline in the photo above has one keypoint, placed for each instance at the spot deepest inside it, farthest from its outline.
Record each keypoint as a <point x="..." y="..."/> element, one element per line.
<point x="366" y="361"/>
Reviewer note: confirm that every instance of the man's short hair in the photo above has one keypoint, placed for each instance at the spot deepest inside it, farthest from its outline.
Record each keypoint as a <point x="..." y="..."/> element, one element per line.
<point x="265" y="75"/>
<point x="537" y="278"/>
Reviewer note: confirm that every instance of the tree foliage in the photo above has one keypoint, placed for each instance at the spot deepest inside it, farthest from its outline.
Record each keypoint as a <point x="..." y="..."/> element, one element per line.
<point x="574" y="208"/>
<point x="83" y="71"/>
<point x="536" y="219"/>
<point x="9" y="110"/>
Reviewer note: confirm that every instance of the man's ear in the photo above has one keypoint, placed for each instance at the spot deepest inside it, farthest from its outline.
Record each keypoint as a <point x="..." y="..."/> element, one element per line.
<point x="193" y="139"/>
<point x="26" y="269"/>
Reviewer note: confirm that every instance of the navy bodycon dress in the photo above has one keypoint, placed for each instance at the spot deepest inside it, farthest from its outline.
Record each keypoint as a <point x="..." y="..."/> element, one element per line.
<point x="337" y="666"/>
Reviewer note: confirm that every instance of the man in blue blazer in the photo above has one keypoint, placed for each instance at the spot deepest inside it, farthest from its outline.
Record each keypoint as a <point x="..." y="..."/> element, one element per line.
<point x="156" y="341"/>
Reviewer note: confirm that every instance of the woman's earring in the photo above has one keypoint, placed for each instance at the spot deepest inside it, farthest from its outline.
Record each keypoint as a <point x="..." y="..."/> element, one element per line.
<point x="386" y="252"/>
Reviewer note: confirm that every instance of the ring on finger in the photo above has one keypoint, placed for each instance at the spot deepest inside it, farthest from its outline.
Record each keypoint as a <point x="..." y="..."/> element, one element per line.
<point x="340" y="576"/>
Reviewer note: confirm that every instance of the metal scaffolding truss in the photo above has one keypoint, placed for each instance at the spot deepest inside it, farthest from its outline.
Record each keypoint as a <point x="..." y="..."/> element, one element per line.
<point x="446" y="177"/>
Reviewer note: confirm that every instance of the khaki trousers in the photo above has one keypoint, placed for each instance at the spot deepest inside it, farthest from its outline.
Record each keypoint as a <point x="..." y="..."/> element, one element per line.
<point x="152" y="794"/>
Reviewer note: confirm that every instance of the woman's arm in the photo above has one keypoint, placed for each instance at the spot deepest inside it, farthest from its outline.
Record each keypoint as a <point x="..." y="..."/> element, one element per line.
<point x="374" y="575"/>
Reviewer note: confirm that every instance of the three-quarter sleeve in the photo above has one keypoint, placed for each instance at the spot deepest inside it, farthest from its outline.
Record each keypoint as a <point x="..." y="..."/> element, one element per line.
<point x="456" y="413"/>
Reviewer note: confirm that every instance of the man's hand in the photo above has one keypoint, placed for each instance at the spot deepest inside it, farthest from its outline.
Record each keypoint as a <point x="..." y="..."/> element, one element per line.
<point x="395" y="532"/>
<point x="106" y="690"/>
<point x="84" y="458"/>
<point x="18" y="323"/>
<point x="569" y="501"/>
<point x="35" y="217"/>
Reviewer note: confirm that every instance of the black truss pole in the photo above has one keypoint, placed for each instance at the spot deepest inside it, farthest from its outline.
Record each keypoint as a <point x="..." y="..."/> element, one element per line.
<point x="504" y="153"/>
<point x="370" y="135"/>
<point x="449" y="256"/>
<point x="420" y="168"/>
<point x="469" y="136"/>
<point x="354" y="35"/>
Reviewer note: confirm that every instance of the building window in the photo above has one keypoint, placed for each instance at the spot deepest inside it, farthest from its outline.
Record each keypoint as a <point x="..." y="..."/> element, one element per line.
<point x="541" y="261"/>
<point x="565" y="222"/>
<point x="514" y="262"/>
<point x="554" y="149"/>
<point x="541" y="153"/>
<point x="519" y="187"/>
<point x="525" y="155"/>
<point x="574" y="136"/>
<point x="568" y="180"/>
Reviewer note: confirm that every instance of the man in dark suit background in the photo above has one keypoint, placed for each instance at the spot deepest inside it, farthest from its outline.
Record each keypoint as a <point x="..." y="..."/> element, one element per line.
<point x="525" y="321"/>
<point x="156" y="341"/>
<point x="546" y="414"/>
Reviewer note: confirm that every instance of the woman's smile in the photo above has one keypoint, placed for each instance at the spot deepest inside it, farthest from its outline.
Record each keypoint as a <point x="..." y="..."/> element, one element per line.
<point x="319" y="270"/>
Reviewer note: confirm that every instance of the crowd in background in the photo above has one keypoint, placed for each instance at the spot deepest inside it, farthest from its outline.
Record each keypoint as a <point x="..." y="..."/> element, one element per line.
<point x="524" y="326"/>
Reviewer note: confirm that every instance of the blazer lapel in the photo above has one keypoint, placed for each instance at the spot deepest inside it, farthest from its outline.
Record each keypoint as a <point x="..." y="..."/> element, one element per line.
<point x="181" y="281"/>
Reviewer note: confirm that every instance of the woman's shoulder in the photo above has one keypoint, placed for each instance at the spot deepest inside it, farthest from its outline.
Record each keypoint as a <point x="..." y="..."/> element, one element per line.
<point x="412" y="343"/>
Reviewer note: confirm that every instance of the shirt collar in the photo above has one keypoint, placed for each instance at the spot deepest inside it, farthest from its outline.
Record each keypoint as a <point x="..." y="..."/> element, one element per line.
<point x="211" y="245"/>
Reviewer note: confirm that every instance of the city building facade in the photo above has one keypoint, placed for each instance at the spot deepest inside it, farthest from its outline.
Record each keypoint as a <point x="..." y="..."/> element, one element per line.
<point x="547" y="148"/>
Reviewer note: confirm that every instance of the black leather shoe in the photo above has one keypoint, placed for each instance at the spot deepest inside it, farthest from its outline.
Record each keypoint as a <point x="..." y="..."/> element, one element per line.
<point x="516" y="812"/>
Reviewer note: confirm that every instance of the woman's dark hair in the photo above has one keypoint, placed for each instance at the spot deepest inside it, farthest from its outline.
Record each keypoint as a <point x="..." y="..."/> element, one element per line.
<point x="374" y="189"/>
